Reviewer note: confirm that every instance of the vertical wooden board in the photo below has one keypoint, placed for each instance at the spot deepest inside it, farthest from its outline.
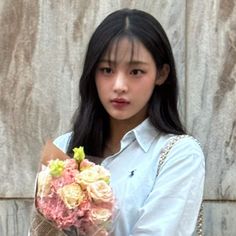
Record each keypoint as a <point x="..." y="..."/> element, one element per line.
<point x="211" y="90"/>
<point x="18" y="116"/>
<point x="15" y="217"/>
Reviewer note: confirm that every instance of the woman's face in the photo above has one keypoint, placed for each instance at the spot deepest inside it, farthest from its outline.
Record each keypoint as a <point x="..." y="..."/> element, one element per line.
<point x="125" y="79"/>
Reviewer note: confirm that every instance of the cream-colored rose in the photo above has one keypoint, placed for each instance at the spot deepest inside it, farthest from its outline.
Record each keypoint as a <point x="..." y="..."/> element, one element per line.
<point x="86" y="177"/>
<point x="103" y="173"/>
<point x="44" y="183"/>
<point x="100" y="215"/>
<point x="72" y="195"/>
<point x="100" y="191"/>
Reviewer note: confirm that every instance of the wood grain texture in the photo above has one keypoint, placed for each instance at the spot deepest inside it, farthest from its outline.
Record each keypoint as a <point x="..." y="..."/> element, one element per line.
<point x="219" y="218"/>
<point x="18" y="23"/>
<point x="211" y="90"/>
<point x="15" y="217"/>
<point x="42" y="46"/>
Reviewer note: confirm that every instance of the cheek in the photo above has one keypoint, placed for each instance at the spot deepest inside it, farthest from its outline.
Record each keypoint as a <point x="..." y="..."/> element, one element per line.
<point x="146" y="88"/>
<point x="146" y="91"/>
<point x="100" y="82"/>
<point x="101" y="89"/>
<point x="98" y="85"/>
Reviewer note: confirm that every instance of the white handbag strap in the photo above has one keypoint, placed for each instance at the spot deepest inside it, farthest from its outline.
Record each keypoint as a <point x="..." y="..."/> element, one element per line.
<point x="162" y="158"/>
<point x="167" y="149"/>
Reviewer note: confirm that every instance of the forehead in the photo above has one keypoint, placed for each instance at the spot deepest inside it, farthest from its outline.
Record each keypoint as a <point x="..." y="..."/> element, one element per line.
<point x="126" y="49"/>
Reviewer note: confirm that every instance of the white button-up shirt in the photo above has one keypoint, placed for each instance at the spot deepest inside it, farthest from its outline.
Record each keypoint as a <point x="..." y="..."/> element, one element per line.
<point x="163" y="205"/>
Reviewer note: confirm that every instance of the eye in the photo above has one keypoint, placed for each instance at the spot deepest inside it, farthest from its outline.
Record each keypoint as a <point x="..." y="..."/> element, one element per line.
<point x="137" y="72"/>
<point x="106" y="70"/>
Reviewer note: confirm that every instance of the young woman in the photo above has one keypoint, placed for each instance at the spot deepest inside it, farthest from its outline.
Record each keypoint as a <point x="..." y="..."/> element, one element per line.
<point x="127" y="115"/>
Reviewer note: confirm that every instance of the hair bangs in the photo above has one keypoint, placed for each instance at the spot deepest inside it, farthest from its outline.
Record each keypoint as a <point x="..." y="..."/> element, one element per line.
<point x="111" y="53"/>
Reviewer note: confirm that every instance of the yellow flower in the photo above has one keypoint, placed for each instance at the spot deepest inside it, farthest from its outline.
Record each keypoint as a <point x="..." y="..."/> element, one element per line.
<point x="72" y="195"/>
<point x="56" y="167"/>
<point x="79" y="154"/>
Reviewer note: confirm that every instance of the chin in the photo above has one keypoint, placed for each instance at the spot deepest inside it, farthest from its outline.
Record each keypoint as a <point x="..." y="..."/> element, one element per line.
<point x="120" y="117"/>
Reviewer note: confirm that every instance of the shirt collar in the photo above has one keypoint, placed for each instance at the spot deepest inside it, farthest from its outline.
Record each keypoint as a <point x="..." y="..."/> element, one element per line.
<point x="144" y="133"/>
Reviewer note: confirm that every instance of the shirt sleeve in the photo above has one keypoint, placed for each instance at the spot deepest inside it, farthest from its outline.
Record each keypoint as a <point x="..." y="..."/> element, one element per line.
<point x="172" y="207"/>
<point x="62" y="142"/>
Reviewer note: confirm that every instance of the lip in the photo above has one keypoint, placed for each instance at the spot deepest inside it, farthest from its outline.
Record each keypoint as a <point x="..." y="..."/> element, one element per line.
<point x="119" y="102"/>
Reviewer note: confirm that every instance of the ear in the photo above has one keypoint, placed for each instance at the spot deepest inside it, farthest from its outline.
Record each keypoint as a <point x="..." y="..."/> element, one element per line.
<point x="162" y="74"/>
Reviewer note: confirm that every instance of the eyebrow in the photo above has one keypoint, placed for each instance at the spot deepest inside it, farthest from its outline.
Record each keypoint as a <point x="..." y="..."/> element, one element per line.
<point x="132" y="62"/>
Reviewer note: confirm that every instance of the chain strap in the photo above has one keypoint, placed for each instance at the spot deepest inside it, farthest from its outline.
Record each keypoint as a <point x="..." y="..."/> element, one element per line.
<point x="200" y="222"/>
<point x="163" y="156"/>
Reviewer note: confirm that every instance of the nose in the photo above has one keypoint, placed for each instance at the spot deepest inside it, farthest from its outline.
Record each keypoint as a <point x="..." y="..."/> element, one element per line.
<point x="120" y="83"/>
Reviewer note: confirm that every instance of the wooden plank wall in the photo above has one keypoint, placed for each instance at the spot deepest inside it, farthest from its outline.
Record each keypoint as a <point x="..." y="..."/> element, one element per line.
<point x="42" y="45"/>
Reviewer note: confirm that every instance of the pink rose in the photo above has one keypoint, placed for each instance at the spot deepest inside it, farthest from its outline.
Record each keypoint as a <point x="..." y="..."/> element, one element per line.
<point x="85" y="164"/>
<point x="71" y="164"/>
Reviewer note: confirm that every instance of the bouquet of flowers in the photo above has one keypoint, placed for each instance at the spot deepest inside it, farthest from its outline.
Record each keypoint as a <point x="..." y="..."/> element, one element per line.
<point x="74" y="193"/>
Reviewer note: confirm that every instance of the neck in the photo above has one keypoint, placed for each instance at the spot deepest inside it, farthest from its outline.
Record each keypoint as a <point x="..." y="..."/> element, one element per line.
<point x="118" y="128"/>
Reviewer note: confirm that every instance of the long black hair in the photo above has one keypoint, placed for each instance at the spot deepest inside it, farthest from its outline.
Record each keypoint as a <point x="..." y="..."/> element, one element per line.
<point x="91" y="121"/>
